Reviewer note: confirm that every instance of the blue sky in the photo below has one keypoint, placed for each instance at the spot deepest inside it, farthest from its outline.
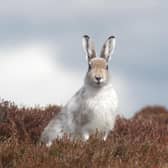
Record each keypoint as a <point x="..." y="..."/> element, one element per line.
<point x="41" y="56"/>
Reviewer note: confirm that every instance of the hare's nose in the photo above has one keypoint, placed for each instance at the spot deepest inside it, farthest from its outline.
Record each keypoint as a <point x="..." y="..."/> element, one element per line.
<point x="98" y="78"/>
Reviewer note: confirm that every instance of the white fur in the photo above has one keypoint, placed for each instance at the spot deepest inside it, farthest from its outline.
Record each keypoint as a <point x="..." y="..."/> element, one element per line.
<point x="93" y="108"/>
<point x="102" y="104"/>
<point x="109" y="45"/>
<point x="88" y="47"/>
<point x="110" y="48"/>
<point x="98" y="105"/>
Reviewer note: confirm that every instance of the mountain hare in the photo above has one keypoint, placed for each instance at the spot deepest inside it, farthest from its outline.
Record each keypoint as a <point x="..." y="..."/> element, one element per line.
<point x="94" y="106"/>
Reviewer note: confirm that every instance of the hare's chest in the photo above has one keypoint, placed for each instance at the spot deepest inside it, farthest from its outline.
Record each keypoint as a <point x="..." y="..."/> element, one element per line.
<point x="96" y="104"/>
<point x="100" y="110"/>
<point x="104" y="101"/>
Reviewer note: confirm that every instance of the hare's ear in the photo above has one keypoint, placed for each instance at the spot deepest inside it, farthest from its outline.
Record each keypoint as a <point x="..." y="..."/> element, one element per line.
<point x="108" y="48"/>
<point x="88" y="47"/>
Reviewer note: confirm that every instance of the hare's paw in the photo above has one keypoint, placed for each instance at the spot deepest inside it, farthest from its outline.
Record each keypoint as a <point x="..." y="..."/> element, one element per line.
<point x="48" y="144"/>
<point x="85" y="136"/>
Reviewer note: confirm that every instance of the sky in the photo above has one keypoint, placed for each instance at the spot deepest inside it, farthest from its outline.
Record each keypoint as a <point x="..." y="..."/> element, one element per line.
<point x="42" y="61"/>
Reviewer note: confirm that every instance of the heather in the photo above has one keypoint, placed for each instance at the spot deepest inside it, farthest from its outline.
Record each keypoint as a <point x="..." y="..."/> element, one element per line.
<point x="138" y="142"/>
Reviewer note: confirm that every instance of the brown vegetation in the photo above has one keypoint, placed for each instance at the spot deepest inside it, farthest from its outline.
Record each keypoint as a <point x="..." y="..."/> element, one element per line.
<point x="140" y="142"/>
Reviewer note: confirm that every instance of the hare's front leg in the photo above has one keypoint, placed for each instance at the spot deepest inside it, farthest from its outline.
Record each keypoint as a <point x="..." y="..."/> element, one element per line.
<point x="48" y="144"/>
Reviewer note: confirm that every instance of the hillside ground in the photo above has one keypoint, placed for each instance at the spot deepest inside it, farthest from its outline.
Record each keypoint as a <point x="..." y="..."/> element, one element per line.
<point x="139" y="142"/>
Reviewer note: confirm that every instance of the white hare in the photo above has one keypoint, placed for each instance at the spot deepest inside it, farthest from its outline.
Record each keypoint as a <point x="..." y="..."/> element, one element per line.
<point x="94" y="106"/>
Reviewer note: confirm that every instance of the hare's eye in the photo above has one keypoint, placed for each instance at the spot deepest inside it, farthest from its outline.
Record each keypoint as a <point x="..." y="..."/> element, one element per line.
<point x="90" y="67"/>
<point x="107" y="67"/>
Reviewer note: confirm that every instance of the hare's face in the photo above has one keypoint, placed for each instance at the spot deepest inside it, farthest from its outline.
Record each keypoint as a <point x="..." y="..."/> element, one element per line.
<point x="98" y="74"/>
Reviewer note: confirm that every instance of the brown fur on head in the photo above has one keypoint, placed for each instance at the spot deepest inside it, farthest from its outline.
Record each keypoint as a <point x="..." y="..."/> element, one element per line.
<point x="98" y="74"/>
